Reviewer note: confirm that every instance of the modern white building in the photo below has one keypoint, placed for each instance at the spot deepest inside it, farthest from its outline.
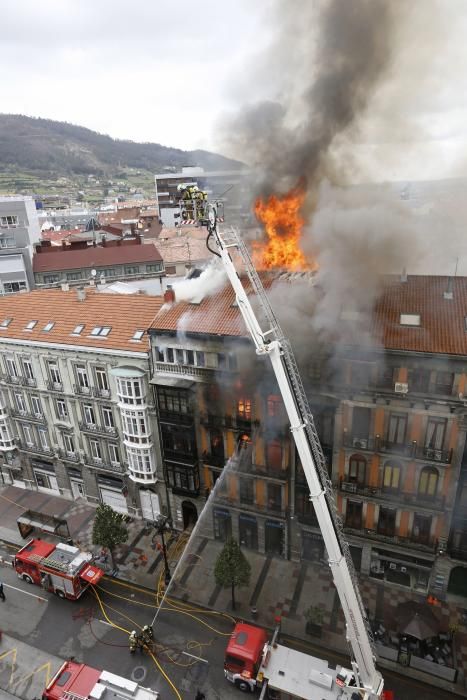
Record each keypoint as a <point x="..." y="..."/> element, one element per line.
<point x="19" y="230"/>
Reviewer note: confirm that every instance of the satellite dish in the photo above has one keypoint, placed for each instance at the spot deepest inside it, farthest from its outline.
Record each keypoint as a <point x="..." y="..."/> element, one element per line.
<point x="93" y="273"/>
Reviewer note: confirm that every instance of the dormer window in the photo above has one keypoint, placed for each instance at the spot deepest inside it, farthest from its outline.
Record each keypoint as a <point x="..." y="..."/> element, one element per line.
<point x="78" y="329"/>
<point x="48" y="326"/>
<point x="409" y="319"/>
<point x="5" y="323"/>
<point x="31" y="325"/>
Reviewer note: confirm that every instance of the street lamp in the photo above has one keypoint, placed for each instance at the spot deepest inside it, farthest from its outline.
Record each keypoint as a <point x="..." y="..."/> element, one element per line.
<point x="161" y="525"/>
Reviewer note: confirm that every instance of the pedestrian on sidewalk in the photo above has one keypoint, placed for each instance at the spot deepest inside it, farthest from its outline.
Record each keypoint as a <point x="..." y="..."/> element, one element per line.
<point x="2" y="593"/>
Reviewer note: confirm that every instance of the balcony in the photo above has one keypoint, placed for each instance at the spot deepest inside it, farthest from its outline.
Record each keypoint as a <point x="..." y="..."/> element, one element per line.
<point x="28" y="381"/>
<point x="99" y="393"/>
<point x="183" y="371"/>
<point x="409" y="450"/>
<point x="35" y="449"/>
<point x="55" y="386"/>
<point x="210" y="420"/>
<point x="34" y="417"/>
<point x="98" y="429"/>
<point x="106" y="465"/>
<point x="81" y="390"/>
<point x="458" y="553"/>
<point x="188" y="458"/>
<point x="68" y="456"/>
<point x="177" y="418"/>
<point x="11" y="379"/>
<point x="395" y="496"/>
<point x="410" y="542"/>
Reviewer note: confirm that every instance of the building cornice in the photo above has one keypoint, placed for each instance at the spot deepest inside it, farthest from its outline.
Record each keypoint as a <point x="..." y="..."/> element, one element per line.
<point x="75" y="348"/>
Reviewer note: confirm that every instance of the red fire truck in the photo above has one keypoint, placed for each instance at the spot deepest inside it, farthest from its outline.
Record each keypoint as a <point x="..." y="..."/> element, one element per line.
<point x="59" y="568"/>
<point x="80" y="682"/>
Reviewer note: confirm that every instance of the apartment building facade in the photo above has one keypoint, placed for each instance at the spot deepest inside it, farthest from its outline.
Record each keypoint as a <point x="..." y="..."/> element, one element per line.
<point x="19" y="230"/>
<point x="76" y="416"/>
<point x="392" y="422"/>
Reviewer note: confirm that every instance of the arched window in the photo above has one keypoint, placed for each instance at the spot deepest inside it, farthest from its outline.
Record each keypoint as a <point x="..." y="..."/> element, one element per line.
<point x="391" y="476"/>
<point x="428" y="483"/>
<point x="357" y="469"/>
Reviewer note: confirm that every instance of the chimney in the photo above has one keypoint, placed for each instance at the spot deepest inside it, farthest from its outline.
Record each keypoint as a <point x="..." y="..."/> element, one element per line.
<point x="448" y="294"/>
<point x="404" y="275"/>
<point x="169" y="295"/>
<point x="81" y="293"/>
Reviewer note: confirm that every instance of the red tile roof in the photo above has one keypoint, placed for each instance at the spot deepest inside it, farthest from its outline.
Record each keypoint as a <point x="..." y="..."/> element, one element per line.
<point x="125" y="314"/>
<point x="100" y="256"/>
<point x="442" y="327"/>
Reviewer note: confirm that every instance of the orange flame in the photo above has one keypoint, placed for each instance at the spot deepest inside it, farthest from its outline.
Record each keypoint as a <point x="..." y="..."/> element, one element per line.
<point x="283" y="224"/>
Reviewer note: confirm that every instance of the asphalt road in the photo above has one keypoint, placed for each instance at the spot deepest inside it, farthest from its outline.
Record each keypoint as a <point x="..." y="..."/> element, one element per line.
<point x="190" y="644"/>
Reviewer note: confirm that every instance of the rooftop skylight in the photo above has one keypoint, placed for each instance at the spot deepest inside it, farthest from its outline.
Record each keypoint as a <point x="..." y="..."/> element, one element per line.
<point x="137" y="335"/>
<point x="30" y="325"/>
<point x="48" y="326"/>
<point x="5" y="323"/>
<point x="102" y="331"/>
<point x="78" y="329"/>
<point x="410" y="319"/>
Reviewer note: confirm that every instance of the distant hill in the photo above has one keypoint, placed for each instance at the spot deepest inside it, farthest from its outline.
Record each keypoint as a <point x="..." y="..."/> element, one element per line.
<point x="59" y="148"/>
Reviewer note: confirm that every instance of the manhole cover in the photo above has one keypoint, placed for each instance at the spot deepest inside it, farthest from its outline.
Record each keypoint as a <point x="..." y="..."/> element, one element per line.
<point x="138" y="674"/>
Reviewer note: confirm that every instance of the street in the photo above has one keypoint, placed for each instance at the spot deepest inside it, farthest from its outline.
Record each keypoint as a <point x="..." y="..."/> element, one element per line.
<point x="94" y="630"/>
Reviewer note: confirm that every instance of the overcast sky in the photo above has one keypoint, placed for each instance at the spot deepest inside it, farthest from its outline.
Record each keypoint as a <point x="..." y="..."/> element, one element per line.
<point x="167" y="72"/>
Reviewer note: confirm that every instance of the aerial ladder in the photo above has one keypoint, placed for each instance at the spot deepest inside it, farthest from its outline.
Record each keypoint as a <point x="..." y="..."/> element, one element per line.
<point x="270" y="341"/>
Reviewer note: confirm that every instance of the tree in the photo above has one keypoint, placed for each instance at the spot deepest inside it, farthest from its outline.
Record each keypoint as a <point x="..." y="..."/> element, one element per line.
<point x="231" y="568"/>
<point x="108" y="529"/>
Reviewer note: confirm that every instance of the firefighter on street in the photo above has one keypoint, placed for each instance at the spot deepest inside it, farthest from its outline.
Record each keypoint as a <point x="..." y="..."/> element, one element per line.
<point x="133" y="642"/>
<point x="147" y="635"/>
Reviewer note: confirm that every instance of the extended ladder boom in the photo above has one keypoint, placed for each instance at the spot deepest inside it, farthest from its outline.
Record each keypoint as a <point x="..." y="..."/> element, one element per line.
<point x="273" y="343"/>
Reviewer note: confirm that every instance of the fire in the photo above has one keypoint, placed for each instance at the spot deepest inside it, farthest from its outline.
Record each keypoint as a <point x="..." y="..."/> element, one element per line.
<point x="283" y="222"/>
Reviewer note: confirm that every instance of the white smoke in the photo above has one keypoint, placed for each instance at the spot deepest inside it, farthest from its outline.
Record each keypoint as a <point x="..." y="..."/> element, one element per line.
<point x="211" y="280"/>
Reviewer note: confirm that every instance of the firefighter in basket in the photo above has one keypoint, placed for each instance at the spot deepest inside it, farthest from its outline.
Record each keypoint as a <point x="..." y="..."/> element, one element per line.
<point x="192" y="202"/>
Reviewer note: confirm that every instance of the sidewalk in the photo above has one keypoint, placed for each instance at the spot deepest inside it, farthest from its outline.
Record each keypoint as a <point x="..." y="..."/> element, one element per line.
<point x="278" y="588"/>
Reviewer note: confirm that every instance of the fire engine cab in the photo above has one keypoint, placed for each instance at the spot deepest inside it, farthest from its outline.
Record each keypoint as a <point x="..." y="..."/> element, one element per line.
<point x="58" y="568"/>
<point x="80" y="682"/>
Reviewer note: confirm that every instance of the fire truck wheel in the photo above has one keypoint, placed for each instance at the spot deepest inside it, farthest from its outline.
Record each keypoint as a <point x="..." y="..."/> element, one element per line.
<point x="243" y="685"/>
<point x="60" y="593"/>
<point x="27" y="578"/>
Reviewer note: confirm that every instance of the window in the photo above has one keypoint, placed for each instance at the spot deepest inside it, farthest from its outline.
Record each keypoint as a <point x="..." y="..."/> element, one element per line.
<point x="114" y="454"/>
<point x="101" y="331"/>
<point x="101" y="379"/>
<point x="131" y="269"/>
<point x="139" y="460"/>
<point x="11" y="368"/>
<point x="354" y="515"/>
<point x="134" y="426"/>
<point x="69" y="444"/>
<point x="130" y="391"/>
<point x="444" y="382"/>
<point x="361" y="422"/>
<point x="244" y="409"/>
<point x="428" y="483"/>
<point x="247" y="491"/>
<point x="397" y="428"/>
<point x="73" y="276"/>
<point x="43" y="438"/>
<point x="421" y="528"/>
<point x="173" y="401"/>
<point x="200" y="359"/>
<point x="77" y="330"/>
<point x="274" y="497"/>
<point x="28" y="435"/>
<point x="36" y="405"/>
<point x="190" y="357"/>
<point x="435" y="432"/>
<point x="157" y="267"/>
<point x="274" y="455"/>
<point x="20" y="405"/>
<point x="30" y="325"/>
<point x="61" y="409"/>
<point x="95" y="450"/>
<point x="6" y="322"/>
<point x="8" y="242"/>
<point x="274" y="405"/>
<point x="54" y="373"/>
<point x="88" y="413"/>
<point x="357" y="469"/>
<point x="387" y="522"/>
<point x="9" y="220"/>
<point x="169" y="355"/>
<point x="419" y="380"/>
<point x="13" y="287"/>
<point x="27" y="369"/>
<point x="221" y="360"/>
<point x="180" y="357"/>
<point x="82" y="376"/>
<point x="137" y="335"/>
<point x="48" y="326"/>
<point x="160" y="357"/>
<point x="108" y="417"/>
<point x="410" y="319"/>
<point x="360" y="374"/>
<point x="51" y="279"/>
<point x="386" y="378"/>
<point x="391" y="476"/>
